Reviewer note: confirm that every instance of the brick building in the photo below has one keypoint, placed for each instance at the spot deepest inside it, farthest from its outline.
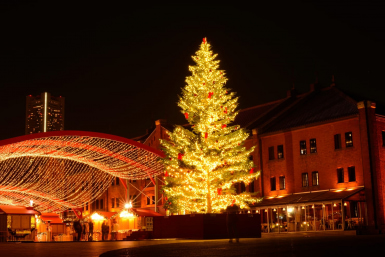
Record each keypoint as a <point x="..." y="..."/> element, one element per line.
<point x="321" y="156"/>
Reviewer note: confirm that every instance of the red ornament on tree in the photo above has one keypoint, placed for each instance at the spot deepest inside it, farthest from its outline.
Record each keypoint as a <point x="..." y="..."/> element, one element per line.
<point x="219" y="191"/>
<point x="166" y="198"/>
<point x="224" y="126"/>
<point x="225" y="111"/>
<point x="186" y="115"/>
<point x="180" y="156"/>
<point x="165" y="174"/>
<point x="252" y="171"/>
<point x="206" y="135"/>
<point x="211" y="94"/>
<point x="204" y="40"/>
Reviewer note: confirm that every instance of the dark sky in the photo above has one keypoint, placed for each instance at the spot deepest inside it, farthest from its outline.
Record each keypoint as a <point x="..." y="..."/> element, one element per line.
<point x="122" y="67"/>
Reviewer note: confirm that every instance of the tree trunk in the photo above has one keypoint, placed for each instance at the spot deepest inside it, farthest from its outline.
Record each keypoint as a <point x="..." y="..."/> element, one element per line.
<point x="208" y="195"/>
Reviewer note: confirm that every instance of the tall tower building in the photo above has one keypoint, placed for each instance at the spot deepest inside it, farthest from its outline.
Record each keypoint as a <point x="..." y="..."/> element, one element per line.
<point x="44" y="113"/>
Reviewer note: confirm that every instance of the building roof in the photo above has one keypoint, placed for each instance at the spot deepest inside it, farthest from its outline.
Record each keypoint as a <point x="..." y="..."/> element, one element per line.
<point x="318" y="106"/>
<point x="309" y="197"/>
<point x="296" y="110"/>
<point x="53" y="218"/>
<point x="251" y="115"/>
<point x="10" y="209"/>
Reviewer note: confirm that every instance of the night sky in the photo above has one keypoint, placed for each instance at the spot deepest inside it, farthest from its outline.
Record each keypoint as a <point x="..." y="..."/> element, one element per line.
<point x="120" y="68"/>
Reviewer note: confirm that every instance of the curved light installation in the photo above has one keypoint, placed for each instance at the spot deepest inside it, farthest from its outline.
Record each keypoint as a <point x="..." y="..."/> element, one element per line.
<point x="67" y="169"/>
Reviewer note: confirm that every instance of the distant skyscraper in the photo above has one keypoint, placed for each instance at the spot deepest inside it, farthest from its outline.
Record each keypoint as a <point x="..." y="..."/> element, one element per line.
<point x="44" y="113"/>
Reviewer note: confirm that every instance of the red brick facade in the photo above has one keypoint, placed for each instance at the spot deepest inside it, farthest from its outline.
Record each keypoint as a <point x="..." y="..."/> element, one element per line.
<point x="289" y="121"/>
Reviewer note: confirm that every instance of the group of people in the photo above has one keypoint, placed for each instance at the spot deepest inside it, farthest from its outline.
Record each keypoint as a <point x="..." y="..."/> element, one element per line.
<point x="83" y="231"/>
<point x="106" y="230"/>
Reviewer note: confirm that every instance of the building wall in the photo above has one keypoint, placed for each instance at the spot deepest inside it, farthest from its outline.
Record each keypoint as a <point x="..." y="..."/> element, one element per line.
<point x="380" y="156"/>
<point x="326" y="160"/>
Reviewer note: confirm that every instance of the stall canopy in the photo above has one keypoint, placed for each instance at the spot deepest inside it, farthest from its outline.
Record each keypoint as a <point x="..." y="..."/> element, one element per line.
<point x="9" y="209"/>
<point x="145" y="212"/>
<point x="61" y="170"/>
<point x="106" y="214"/>
<point x="312" y="197"/>
<point x="53" y="218"/>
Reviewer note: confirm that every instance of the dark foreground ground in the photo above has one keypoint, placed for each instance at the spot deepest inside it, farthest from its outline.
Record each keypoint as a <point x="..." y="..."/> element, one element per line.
<point x="304" y="244"/>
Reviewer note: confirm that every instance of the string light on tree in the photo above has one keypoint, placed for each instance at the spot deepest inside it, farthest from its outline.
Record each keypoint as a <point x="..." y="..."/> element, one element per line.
<point x="203" y="164"/>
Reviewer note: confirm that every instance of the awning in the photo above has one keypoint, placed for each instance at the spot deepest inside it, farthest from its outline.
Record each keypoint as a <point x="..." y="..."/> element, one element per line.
<point x="106" y="214"/>
<point x="145" y="212"/>
<point x="53" y="218"/>
<point x="10" y="209"/>
<point x="309" y="197"/>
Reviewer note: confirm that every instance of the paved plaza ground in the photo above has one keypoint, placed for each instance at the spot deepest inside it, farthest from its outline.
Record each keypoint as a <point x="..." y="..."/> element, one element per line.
<point x="300" y="244"/>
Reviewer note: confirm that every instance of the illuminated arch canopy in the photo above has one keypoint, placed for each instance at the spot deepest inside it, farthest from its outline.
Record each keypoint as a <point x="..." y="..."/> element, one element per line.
<point x="66" y="169"/>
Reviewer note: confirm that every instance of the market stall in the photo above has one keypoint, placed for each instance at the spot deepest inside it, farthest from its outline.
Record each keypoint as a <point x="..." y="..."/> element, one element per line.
<point x="50" y="227"/>
<point x="18" y="223"/>
<point x="98" y="217"/>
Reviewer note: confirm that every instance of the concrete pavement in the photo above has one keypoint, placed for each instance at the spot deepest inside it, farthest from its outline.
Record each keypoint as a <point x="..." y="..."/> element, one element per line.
<point x="298" y="244"/>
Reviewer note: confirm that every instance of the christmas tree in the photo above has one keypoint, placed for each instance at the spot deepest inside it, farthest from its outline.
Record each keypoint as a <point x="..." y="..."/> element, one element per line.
<point x="203" y="163"/>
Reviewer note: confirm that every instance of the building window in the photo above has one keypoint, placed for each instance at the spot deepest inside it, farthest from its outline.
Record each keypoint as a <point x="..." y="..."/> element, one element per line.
<point x="337" y="141"/>
<point x="349" y="139"/>
<point x="113" y="182"/>
<point x="313" y="145"/>
<point x="101" y="203"/>
<point x="282" y="183"/>
<point x="251" y="186"/>
<point x="112" y="202"/>
<point x="86" y="206"/>
<point x="302" y="147"/>
<point x="352" y="173"/>
<point x="340" y="175"/>
<point x="280" y="151"/>
<point x="271" y="153"/>
<point x="151" y="199"/>
<point x="305" y="180"/>
<point x="97" y="204"/>
<point x="117" y="202"/>
<point x="383" y="138"/>
<point x="117" y="181"/>
<point x="272" y="184"/>
<point x="315" y="178"/>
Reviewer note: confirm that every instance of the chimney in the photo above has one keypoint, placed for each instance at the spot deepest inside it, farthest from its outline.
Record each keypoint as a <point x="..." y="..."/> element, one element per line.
<point x="160" y="122"/>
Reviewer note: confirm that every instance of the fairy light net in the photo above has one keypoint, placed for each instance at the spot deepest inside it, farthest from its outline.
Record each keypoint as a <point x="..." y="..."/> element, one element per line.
<point x="66" y="169"/>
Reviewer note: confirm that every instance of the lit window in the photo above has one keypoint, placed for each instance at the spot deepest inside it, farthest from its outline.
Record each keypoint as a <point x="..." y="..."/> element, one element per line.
<point x="305" y="180"/>
<point x="315" y="178"/>
<point x="349" y="139"/>
<point x="302" y="146"/>
<point x="112" y="202"/>
<point x="313" y="145"/>
<point x="280" y="151"/>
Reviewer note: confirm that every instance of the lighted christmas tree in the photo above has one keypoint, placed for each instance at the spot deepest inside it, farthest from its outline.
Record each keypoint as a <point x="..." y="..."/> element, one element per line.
<point x="203" y="163"/>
